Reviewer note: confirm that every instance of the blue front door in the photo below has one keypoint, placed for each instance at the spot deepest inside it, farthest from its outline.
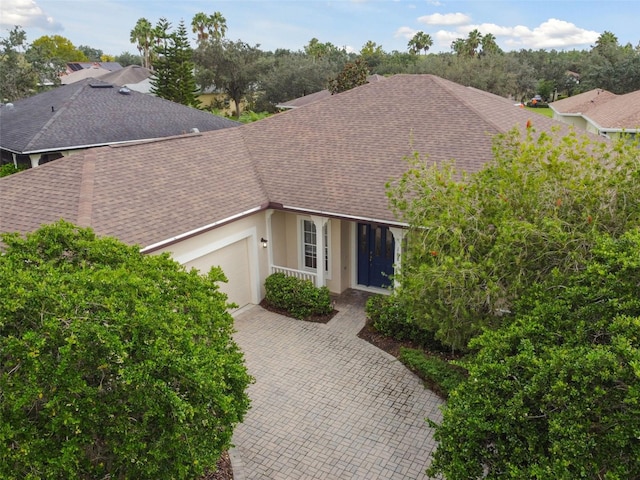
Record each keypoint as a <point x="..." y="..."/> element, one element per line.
<point x="375" y="255"/>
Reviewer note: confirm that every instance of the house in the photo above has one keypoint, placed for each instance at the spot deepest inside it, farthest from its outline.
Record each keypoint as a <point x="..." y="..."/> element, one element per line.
<point x="76" y="66"/>
<point x="91" y="113"/>
<point x="91" y="72"/>
<point x="601" y="112"/>
<point x="133" y="77"/>
<point x="301" y="192"/>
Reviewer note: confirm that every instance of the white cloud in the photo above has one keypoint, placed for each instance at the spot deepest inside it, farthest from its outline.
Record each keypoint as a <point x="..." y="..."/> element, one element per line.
<point x="445" y="19"/>
<point x="434" y="3"/>
<point x="26" y="13"/>
<point x="406" y="32"/>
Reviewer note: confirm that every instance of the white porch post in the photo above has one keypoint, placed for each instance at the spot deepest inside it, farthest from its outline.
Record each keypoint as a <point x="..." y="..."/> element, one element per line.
<point x="319" y="223"/>
<point x="35" y="160"/>
<point x="398" y="237"/>
<point x="268" y="214"/>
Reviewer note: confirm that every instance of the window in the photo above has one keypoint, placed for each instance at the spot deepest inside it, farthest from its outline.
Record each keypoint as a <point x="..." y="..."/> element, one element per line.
<point x="309" y="246"/>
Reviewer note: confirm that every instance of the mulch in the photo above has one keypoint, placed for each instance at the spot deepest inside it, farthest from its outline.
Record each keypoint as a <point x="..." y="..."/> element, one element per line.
<point x="223" y="469"/>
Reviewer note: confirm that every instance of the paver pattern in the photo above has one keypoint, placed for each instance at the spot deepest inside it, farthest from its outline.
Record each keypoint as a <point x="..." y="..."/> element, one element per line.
<point x="327" y="404"/>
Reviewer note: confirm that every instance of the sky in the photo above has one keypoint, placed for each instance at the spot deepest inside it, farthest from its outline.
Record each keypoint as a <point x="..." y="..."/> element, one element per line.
<point x="290" y="24"/>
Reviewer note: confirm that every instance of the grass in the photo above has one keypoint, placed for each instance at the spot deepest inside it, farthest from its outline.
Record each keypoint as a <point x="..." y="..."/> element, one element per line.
<point x="547" y="112"/>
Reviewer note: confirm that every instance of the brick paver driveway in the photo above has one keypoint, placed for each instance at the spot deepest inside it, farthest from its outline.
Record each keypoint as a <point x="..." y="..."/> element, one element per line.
<point x="328" y="405"/>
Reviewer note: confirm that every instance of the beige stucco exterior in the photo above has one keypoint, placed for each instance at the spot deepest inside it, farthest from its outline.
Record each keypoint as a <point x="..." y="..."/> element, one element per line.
<point x="237" y="248"/>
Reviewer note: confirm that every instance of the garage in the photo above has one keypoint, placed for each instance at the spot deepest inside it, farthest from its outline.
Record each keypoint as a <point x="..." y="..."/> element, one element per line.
<point x="234" y="261"/>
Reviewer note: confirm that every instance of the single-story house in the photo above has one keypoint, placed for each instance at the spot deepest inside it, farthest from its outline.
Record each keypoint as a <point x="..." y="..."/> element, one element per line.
<point x="301" y="192"/>
<point x="600" y="112"/>
<point x="91" y="113"/>
<point x="91" y="72"/>
<point x="133" y="77"/>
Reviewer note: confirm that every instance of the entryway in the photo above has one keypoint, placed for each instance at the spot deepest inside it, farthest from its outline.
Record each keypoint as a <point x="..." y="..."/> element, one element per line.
<point x="376" y="249"/>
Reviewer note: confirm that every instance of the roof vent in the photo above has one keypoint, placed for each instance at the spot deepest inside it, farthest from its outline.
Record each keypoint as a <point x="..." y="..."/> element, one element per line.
<point x="124" y="91"/>
<point x="194" y="130"/>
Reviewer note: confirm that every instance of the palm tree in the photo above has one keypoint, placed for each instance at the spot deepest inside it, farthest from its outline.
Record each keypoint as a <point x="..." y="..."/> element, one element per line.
<point x="459" y="46"/>
<point x="143" y="37"/>
<point x="219" y="24"/>
<point x="420" y="41"/>
<point x="200" y="24"/>
<point x="489" y="45"/>
<point x="473" y="42"/>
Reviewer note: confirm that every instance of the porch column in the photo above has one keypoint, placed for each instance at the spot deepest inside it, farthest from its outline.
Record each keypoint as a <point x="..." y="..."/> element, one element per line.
<point x="319" y="222"/>
<point x="398" y="237"/>
<point x="35" y="160"/>
<point x="268" y="214"/>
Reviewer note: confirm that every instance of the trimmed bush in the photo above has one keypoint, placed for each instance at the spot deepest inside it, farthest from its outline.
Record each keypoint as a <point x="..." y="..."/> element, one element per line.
<point x="438" y="374"/>
<point x="390" y="317"/>
<point x="298" y="297"/>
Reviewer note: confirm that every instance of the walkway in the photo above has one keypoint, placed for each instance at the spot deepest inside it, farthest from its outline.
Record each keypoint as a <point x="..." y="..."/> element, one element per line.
<point x="326" y="404"/>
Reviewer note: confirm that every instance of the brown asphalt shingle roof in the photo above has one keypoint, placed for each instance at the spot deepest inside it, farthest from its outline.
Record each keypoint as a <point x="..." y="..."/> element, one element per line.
<point x="583" y="102"/>
<point x="621" y="112"/>
<point x="333" y="157"/>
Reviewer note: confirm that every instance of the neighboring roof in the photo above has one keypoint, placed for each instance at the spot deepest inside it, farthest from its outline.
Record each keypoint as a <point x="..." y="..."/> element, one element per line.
<point x="583" y="102"/>
<point x="621" y="112"/>
<point x="322" y="94"/>
<point x="91" y="72"/>
<point x="332" y="157"/>
<point x="92" y="113"/>
<point x="111" y="66"/>
<point x="131" y="74"/>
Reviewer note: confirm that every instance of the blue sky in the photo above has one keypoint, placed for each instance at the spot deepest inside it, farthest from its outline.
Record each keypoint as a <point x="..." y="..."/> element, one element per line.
<point x="560" y="24"/>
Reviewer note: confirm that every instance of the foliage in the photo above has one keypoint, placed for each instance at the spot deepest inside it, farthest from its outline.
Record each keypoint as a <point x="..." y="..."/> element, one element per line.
<point x="61" y="48"/>
<point x="143" y="37"/>
<point x="233" y="67"/>
<point x="299" y="297"/>
<point x="92" y="54"/>
<point x="439" y="375"/>
<point x="208" y="26"/>
<point x="173" y="77"/>
<point x="249" y="116"/>
<point x="420" y="41"/>
<point x="9" y="169"/>
<point x="476" y="242"/>
<point x="125" y="59"/>
<point x="556" y="393"/>
<point x="391" y="317"/>
<point x="18" y="78"/>
<point x="113" y="364"/>
<point x="288" y="75"/>
<point x="352" y="75"/>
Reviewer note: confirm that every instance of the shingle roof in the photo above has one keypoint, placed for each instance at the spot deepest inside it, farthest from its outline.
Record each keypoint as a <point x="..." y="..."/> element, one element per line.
<point x="333" y="157"/>
<point x="583" y="102"/>
<point x="91" y="72"/>
<point x="93" y="113"/>
<point x="621" y="112"/>
<point x="127" y="75"/>
<point x="322" y="94"/>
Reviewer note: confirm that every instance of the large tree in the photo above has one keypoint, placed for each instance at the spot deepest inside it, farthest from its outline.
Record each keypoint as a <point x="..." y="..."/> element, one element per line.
<point x="556" y="393"/>
<point x="18" y="78"/>
<point x="173" y="72"/>
<point x="59" y="48"/>
<point x="419" y="42"/>
<point x="232" y="67"/>
<point x="352" y="75"/>
<point x="142" y="36"/>
<point x="208" y="26"/>
<point x="476" y="242"/>
<point x="113" y="364"/>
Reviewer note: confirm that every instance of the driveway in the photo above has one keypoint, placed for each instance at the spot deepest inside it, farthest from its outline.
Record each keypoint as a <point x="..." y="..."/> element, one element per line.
<point x="326" y="404"/>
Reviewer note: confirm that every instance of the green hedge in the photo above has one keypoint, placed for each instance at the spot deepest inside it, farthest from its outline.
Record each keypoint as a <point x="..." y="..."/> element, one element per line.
<point x="438" y="374"/>
<point x="298" y="297"/>
<point x="391" y="318"/>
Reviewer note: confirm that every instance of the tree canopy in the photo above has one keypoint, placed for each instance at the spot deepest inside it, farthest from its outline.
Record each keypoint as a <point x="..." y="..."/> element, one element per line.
<point x="476" y="242"/>
<point x="113" y="364"/>
<point x="556" y="393"/>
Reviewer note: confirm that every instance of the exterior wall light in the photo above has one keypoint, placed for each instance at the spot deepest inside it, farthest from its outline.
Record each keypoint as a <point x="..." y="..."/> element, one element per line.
<point x="263" y="242"/>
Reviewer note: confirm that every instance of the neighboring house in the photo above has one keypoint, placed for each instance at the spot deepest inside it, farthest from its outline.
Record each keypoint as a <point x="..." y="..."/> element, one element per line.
<point x="91" y="113"/>
<point x="91" y="72"/>
<point x="601" y="112"/>
<point x="301" y="192"/>
<point x="322" y="94"/>
<point x="133" y="77"/>
<point x="75" y="66"/>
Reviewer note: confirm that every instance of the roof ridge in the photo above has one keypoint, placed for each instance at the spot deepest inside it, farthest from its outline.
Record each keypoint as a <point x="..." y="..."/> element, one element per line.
<point x="57" y="113"/>
<point x="85" y="201"/>
<point x="448" y="85"/>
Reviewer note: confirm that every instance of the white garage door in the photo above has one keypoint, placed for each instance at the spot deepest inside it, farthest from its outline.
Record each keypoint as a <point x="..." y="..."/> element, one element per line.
<point x="234" y="261"/>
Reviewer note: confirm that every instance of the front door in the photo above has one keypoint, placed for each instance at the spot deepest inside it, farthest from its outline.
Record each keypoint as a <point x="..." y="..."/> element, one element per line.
<point x="375" y="255"/>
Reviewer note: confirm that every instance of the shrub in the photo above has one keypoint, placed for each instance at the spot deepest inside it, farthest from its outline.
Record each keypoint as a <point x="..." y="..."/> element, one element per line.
<point x="113" y="364"/>
<point x="391" y="317"/>
<point x="298" y="297"/>
<point x="9" y="169"/>
<point x="438" y="374"/>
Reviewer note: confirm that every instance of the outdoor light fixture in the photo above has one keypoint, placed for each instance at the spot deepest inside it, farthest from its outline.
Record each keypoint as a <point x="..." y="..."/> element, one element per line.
<point x="263" y="242"/>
